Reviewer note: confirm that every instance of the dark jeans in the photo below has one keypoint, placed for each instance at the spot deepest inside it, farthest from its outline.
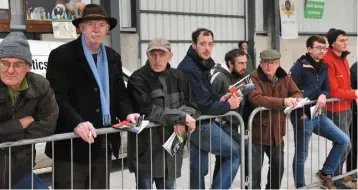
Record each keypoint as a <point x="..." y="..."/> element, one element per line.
<point x="276" y="161"/>
<point x="146" y="182"/>
<point x="81" y="173"/>
<point x="321" y="126"/>
<point x="28" y="182"/>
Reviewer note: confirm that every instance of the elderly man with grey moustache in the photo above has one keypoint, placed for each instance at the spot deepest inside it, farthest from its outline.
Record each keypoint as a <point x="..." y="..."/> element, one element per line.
<point x="88" y="82"/>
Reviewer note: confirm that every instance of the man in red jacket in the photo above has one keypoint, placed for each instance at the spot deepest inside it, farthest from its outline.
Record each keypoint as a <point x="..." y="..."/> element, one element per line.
<point x="340" y="87"/>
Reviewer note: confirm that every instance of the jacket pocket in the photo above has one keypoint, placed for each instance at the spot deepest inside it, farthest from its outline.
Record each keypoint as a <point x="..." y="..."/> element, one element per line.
<point x="261" y="129"/>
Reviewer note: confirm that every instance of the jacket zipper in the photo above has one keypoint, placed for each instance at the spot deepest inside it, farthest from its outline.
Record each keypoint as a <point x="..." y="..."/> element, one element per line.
<point x="316" y="78"/>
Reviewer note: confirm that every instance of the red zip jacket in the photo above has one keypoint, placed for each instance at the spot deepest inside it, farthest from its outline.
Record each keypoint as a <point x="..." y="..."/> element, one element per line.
<point x="339" y="82"/>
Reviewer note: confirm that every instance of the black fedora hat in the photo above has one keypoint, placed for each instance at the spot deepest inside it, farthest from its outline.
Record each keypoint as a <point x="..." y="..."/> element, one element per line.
<point x="95" y="12"/>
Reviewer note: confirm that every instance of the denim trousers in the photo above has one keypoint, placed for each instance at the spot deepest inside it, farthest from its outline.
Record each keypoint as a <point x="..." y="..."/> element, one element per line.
<point x="324" y="127"/>
<point x="28" y="182"/>
<point x="209" y="137"/>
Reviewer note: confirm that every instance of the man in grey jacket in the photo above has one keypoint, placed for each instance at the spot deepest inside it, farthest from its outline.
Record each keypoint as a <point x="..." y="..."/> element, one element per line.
<point x="163" y="95"/>
<point x="221" y="79"/>
<point x="28" y="109"/>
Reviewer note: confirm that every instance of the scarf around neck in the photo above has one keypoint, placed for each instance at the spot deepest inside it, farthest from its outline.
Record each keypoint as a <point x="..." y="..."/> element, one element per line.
<point x="100" y="73"/>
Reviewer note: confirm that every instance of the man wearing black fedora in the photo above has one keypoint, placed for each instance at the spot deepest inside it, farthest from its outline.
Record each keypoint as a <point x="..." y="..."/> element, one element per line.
<point x="87" y="79"/>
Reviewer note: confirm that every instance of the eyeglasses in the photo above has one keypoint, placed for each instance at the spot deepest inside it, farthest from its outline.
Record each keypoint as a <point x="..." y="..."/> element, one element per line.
<point x="319" y="48"/>
<point x="266" y="62"/>
<point x="17" y="66"/>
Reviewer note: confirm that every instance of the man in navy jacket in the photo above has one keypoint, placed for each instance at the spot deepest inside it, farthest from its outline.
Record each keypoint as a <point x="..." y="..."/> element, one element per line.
<point x="209" y="137"/>
<point x="311" y="76"/>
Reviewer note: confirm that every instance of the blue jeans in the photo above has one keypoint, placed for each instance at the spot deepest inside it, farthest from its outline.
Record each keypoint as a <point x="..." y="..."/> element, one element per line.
<point x="146" y="182"/>
<point x="211" y="138"/>
<point x="25" y="182"/>
<point x="323" y="127"/>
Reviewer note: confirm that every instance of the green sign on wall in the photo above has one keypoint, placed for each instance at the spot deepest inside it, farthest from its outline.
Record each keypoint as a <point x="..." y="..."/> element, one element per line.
<point x="314" y="9"/>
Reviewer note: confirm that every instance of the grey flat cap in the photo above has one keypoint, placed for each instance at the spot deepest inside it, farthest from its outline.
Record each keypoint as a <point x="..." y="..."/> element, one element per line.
<point x="270" y="54"/>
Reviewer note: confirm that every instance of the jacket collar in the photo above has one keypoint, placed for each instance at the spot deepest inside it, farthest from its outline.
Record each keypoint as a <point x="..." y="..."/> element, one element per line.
<point x="280" y="73"/>
<point x="149" y="69"/>
<point x="225" y="71"/>
<point x="32" y="92"/>
<point x="307" y="60"/>
<point x="203" y="65"/>
<point x="343" y="56"/>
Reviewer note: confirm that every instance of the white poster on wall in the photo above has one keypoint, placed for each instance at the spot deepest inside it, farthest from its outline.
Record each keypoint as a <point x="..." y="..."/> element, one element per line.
<point x="4" y="4"/>
<point x="288" y="19"/>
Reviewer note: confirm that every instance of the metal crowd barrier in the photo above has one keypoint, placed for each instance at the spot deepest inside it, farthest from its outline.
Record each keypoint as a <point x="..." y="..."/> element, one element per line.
<point x="127" y="179"/>
<point x="315" y="154"/>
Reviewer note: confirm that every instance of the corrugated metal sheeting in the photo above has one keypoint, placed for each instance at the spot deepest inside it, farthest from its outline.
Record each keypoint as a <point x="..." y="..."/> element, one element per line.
<point x="259" y="15"/>
<point x="175" y="20"/>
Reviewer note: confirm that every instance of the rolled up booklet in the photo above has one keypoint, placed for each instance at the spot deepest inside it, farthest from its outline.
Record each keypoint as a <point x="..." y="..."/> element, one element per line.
<point x="173" y="144"/>
<point x="243" y="87"/>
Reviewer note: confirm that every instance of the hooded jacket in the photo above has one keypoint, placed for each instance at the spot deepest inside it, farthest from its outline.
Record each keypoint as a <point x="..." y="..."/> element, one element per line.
<point x="311" y="77"/>
<point x="221" y="79"/>
<point x="198" y="74"/>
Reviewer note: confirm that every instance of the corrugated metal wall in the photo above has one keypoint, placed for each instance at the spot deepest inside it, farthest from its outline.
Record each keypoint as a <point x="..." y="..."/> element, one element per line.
<point x="175" y="20"/>
<point x="259" y="15"/>
<point x="337" y="14"/>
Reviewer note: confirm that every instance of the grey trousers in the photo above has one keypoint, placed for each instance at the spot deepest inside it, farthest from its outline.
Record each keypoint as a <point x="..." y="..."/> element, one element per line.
<point x="343" y="120"/>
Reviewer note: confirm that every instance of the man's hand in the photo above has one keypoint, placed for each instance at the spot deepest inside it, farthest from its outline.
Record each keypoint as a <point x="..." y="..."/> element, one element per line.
<point x="290" y="102"/>
<point x="321" y="101"/>
<point x="86" y="131"/>
<point x="26" y="121"/>
<point x="179" y="129"/>
<point x="234" y="102"/>
<point x="190" y="123"/>
<point x="133" y="117"/>
<point x="225" y="97"/>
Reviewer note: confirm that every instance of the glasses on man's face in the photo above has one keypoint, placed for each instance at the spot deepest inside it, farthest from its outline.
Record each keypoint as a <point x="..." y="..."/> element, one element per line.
<point x="6" y="65"/>
<point x="267" y="62"/>
<point x="319" y="48"/>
